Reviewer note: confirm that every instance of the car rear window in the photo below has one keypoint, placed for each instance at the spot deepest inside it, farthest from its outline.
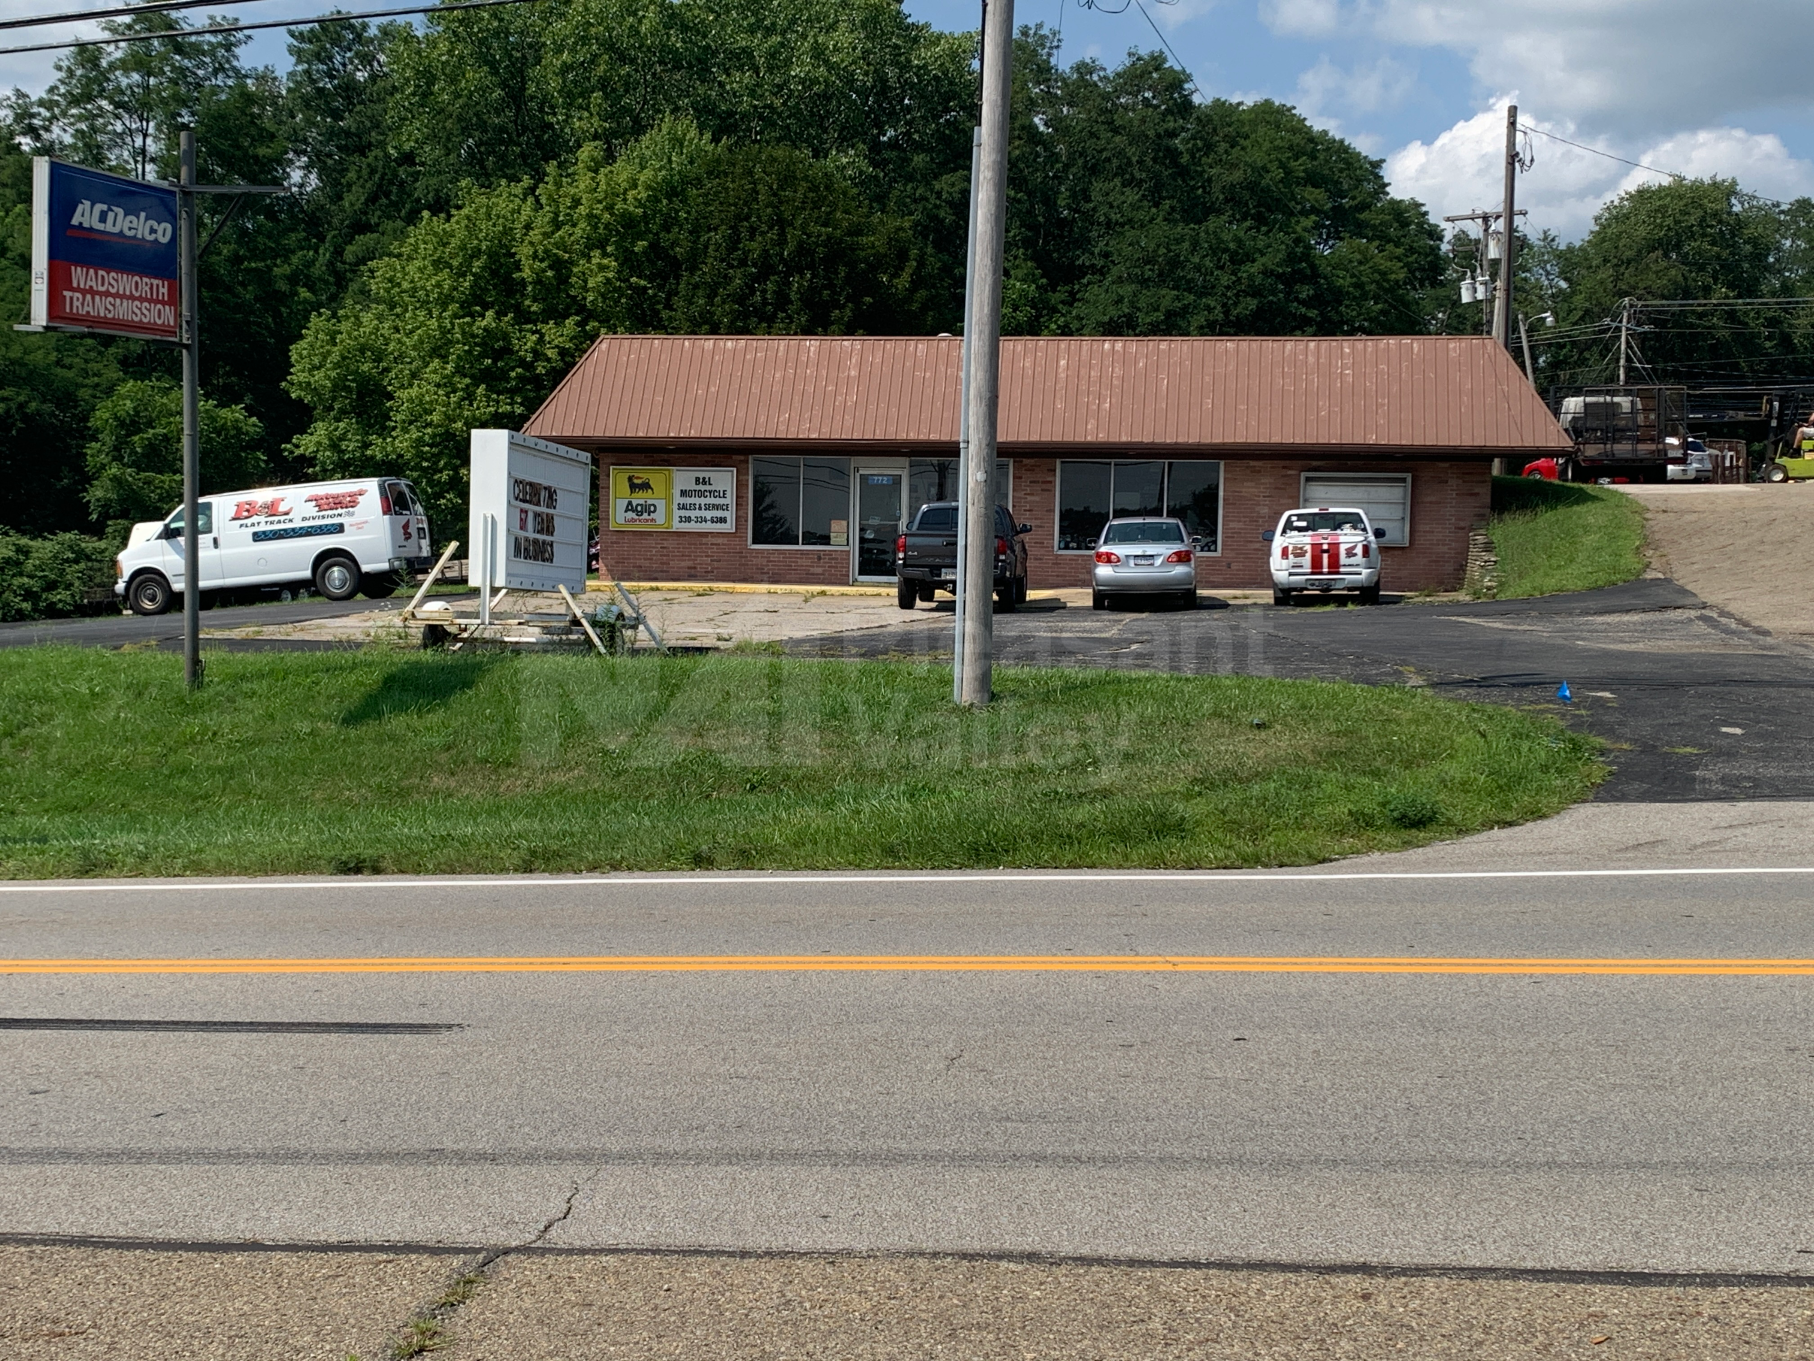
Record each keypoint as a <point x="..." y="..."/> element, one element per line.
<point x="937" y="519"/>
<point x="1325" y="522"/>
<point x="1144" y="531"/>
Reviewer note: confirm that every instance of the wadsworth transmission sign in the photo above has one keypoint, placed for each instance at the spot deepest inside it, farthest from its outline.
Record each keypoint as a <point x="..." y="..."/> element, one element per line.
<point x="530" y="502"/>
<point x="104" y="253"/>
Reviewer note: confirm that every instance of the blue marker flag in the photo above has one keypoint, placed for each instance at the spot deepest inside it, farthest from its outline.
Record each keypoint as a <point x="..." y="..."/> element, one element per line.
<point x="1564" y="695"/>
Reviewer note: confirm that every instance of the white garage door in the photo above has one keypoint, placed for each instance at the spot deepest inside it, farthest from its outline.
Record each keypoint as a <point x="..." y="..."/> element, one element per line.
<point x="1386" y="497"/>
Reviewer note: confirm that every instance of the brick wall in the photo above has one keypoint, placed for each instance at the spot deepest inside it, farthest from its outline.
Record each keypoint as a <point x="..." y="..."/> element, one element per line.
<point x="1447" y="500"/>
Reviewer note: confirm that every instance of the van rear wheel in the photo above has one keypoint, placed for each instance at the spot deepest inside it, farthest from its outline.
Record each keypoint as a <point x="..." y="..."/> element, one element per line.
<point x="338" y="578"/>
<point x="149" y="594"/>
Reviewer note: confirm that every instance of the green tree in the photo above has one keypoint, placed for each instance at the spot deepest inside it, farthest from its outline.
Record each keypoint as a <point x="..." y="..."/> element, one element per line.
<point x="1687" y="240"/>
<point x="1136" y="209"/>
<point x="135" y="455"/>
<point x="476" y="316"/>
<point x="48" y="384"/>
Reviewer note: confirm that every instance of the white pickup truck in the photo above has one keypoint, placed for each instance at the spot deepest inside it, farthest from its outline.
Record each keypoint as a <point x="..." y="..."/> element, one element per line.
<point x="337" y="538"/>
<point x="1323" y="549"/>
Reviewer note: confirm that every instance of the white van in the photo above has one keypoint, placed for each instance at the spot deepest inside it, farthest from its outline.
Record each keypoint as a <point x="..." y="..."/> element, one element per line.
<point x="337" y="538"/>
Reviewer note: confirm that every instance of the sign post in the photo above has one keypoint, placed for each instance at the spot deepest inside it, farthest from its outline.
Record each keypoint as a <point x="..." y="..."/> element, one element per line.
<point x="192" y="446"/>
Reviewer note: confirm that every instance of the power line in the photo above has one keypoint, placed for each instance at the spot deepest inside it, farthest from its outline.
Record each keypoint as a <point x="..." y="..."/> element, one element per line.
<point x="1168" y="47"/>
<point x="83" y="16"/>
<point x="216" y="29"/>
<point x="1596" y="151"/>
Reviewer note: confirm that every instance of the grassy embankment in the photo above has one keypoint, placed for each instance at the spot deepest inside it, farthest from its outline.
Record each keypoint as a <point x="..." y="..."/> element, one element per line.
<point x="368" y="762"/>
<point x="1563" y="536"/>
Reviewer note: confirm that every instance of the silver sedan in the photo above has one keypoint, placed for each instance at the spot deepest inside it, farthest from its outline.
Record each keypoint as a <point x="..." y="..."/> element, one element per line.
<point x="1144" y="556"/>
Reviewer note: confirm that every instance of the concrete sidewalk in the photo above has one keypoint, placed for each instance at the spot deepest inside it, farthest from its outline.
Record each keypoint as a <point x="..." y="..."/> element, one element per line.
<point x="135" y="1304"/>
<point x="1713" y="835"/>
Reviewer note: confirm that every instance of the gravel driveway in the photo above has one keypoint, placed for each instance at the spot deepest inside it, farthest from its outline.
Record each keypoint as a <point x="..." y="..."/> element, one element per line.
<point x="1706" y="538"/>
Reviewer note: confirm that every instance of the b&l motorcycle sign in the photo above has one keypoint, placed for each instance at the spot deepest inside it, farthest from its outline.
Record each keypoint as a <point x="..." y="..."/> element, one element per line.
<point x="104" y="253"/>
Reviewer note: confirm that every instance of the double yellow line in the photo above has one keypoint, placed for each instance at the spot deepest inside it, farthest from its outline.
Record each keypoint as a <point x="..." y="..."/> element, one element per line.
<point x="1289" y="964"/>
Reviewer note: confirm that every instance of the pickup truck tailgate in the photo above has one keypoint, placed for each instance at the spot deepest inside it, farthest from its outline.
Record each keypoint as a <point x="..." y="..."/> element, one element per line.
<point x="930" y="550"/>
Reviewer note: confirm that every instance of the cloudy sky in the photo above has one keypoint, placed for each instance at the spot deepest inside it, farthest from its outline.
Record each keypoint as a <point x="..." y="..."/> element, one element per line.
<point x="1697" y="87"/>
<point x="1694" y="86"/>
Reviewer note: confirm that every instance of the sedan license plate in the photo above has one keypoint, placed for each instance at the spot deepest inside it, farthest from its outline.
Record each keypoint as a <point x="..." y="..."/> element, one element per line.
<point x="1146" y="561"/>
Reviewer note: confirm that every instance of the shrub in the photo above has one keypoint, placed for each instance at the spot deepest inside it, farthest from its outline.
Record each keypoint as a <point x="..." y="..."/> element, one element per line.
<point x="45" y="578"/>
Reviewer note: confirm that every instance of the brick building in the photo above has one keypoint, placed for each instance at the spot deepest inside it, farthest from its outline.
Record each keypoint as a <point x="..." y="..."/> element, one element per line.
<point x="795" y="459"/>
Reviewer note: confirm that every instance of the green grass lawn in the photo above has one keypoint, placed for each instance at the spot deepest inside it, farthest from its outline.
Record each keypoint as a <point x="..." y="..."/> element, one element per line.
<point x="363" y="762"/>
<point x="1563" y="536"/>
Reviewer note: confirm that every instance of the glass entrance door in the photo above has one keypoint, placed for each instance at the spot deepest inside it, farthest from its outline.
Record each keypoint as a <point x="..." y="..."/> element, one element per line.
<point x="881" y="495"/>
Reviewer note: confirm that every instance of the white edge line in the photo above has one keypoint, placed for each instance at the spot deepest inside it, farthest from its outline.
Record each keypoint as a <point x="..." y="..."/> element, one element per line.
<point x="1030" y="877"/>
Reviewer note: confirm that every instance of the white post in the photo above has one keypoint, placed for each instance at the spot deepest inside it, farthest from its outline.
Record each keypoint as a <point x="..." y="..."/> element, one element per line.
<point x="488" y="566"/>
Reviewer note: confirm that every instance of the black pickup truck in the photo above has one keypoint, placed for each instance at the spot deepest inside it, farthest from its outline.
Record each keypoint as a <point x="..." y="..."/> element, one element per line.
<point x="925" y="557"/>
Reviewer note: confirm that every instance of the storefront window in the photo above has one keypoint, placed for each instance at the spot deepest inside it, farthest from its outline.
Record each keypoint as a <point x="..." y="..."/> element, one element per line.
<point x="797" y="502"/>
<point x="936" y="479"/>
<point x="1083" y="503"/>
<point x="1090" y="492"/>
<point x="824" y="498"/>
<point x="1139" y="489"/>
<point x="1193" y="493"/>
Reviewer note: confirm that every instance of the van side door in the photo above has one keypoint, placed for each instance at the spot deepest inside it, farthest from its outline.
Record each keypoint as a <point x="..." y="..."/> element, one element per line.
<point x="171" y="541"/>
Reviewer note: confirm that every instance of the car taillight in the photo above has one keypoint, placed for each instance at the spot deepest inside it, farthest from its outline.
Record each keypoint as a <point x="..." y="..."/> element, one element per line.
<point x="1284" y="552"/>
<point x="1105" y="557"/>
<point x="900" y="546"/>
<point x="1366" y="550"/>
<point x="1001" y="548"/>
<point x="1182" y="555"/>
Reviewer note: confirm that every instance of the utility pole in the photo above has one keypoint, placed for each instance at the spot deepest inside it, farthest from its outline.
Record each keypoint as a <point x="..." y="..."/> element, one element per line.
<point x="190" y="341"/>
<point x="1624" y="337"/>
<point x="1508" y="249"/>
<point x="1524" y="336"/>
<point x="984" y="377"/>
<point x="963" y="424"/>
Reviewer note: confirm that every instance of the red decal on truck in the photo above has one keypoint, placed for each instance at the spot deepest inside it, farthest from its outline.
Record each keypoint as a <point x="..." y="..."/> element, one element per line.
<point x="253" y="510"/>
<point x="335" y="500"/>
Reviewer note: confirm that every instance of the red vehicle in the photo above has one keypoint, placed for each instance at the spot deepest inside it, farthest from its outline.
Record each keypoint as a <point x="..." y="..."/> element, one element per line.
<point x="1544" y="468"/>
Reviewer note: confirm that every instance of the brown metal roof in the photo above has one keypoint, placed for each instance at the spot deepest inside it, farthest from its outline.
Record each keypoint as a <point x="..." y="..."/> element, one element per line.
<point x="1409" y="393"/>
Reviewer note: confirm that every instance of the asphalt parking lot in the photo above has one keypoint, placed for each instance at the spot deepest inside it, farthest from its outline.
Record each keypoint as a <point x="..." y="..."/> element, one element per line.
<point x="1695" y="703"/>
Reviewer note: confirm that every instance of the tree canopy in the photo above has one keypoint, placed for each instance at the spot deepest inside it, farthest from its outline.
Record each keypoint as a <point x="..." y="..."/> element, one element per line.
<point x="473" y="201"/>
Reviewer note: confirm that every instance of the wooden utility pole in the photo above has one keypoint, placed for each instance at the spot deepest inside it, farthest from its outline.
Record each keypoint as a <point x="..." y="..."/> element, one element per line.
<point x="963" y="427"/>
<point x="192" y="463"/>
<point x="1508" y="247"/>
<point x="984" y="378"/>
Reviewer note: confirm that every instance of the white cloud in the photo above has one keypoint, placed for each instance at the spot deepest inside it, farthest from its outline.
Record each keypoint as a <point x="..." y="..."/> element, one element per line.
<point x="1326" y="91"/>
<point x="1621" y="66"/>
<point x="1463" y="168"/>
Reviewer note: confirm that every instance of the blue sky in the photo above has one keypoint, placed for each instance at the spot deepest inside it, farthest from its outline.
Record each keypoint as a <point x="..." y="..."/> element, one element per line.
<point x="1694" y="86"/>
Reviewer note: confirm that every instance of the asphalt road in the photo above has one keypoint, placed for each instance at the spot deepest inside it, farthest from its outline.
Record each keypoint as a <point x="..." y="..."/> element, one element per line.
<point x="1697" y="704"/>
<point x="166" y="630"/>
<point x="1568" y="1121"/>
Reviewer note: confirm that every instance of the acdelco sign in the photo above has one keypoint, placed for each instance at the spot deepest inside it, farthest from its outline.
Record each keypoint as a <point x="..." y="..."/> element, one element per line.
<point x="104" y="252"/>
<point x="114" y="221"/>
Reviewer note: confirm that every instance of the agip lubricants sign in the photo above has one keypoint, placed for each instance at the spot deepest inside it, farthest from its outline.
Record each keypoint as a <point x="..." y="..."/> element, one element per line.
<point x="104" y="253"/>
<point x="695" y="500"/>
